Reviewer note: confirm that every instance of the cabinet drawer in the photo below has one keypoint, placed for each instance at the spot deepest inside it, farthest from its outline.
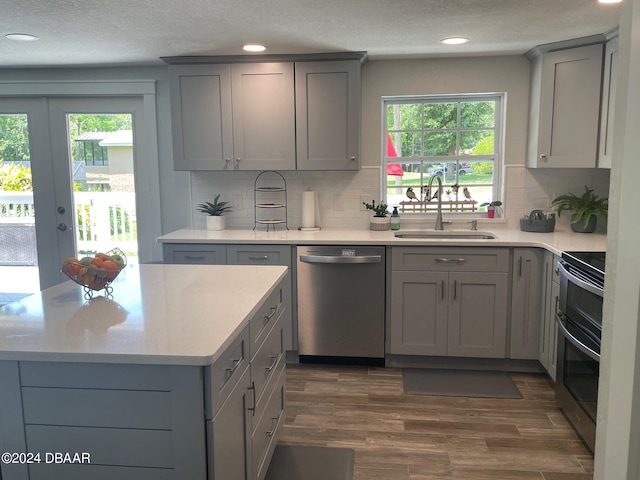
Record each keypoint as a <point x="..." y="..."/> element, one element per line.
<point x="262" y="323"/>
<point x="195" y="254"/>
<point x="264" y="438"/>
<point x="222" y="376"/>
<point x="267" y="360"/>
<point x="450" y="259"/>
<point x="258" y="255"/>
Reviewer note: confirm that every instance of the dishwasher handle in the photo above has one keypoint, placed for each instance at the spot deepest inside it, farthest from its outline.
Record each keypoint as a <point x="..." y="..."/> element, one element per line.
<point x="341" y="259"/>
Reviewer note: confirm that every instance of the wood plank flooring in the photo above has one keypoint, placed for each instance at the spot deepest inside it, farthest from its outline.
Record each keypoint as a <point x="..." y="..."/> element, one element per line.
<point x="416" y="437"/>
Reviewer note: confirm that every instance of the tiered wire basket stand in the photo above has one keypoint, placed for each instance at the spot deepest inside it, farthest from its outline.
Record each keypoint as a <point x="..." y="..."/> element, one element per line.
<point x="270" y="201"/>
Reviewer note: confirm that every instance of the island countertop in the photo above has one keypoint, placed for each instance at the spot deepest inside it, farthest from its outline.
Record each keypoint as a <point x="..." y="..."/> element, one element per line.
<point x="158" y="314"/>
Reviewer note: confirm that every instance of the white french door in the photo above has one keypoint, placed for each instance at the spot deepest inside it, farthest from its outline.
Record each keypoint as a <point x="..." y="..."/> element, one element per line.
<point x="70" y="190"/>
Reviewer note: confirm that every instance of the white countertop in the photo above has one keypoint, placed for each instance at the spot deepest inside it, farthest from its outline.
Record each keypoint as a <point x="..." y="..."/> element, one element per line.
<point x="159" y="314"/>
<point x="556" y="242"/>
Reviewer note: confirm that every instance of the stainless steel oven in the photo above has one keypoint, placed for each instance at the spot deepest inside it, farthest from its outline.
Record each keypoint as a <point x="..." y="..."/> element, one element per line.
<point x="579" y="321"/>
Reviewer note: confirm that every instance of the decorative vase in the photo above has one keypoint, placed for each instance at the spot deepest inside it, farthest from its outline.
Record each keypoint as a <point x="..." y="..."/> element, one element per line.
<point x="491" y="212"/>
<point x="215" y="223"/>
<point x="579" y="227"/>
<point x="380" y="223"/>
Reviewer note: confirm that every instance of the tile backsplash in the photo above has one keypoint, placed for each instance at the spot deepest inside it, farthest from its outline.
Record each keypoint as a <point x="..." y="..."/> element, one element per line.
<point x="339" y="194"/>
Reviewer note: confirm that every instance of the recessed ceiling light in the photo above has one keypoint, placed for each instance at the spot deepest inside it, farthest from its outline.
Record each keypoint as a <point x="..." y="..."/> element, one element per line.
<point x="609" y="1"/>
<point x="454" y="40"/>
<point x="21" y="37"/>
<point x="254" y="48"/>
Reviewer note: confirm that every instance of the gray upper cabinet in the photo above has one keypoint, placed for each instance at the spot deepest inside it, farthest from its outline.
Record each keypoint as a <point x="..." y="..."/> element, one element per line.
<point x="233" y="117"/>
<point x="201" y="117"/>
<point x="609" y="80"/>
<point x="263" y="116"/>
<point x="328" y="115"/>
<point x="564" y="108"/>
<point x="280" y="112"/>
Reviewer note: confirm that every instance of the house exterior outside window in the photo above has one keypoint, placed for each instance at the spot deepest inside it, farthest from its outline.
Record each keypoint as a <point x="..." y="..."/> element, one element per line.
<point x="455" y="137"/>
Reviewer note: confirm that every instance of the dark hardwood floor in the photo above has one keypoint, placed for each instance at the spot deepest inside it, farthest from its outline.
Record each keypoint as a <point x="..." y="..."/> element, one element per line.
<point x="417" y="437"/>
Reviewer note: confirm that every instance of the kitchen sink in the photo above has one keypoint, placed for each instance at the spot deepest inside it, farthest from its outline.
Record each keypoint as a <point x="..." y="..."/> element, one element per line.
<point x="446" y="234"/>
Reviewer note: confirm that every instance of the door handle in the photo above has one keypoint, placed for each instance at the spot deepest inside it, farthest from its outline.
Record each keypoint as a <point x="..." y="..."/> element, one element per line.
<point x="62" y="226"/>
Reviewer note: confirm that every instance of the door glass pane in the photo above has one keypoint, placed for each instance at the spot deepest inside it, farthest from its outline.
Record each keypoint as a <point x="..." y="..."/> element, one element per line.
<point x="19" y="274"/>
<point x="101" y="155"/>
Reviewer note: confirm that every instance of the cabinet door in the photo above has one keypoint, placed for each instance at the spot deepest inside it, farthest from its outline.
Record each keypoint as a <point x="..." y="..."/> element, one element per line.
<point x="263" y="116"/>
<point x="419" y="313"/>
<point x="553" y="332"/>
<point x="477" y="314"/>
<point x="607" y="113"/>
<point x="201" y="117"/>
<point x="229" y="436"/>
<point x="526" y="303"/>
<point x="547" y="317"/>
<point x="328" y="115"/>
<point x="568" y="113"/>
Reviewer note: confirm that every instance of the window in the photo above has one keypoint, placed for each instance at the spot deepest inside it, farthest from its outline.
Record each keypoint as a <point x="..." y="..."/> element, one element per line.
<point x="457" y="138"/>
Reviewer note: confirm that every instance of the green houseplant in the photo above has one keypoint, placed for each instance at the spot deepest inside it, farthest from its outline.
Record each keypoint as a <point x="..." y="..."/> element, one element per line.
<point x="215" y="211"/>
<point x="586" y="208"/>
<point x="379" y="221"/>
<point x="491" y="207"/>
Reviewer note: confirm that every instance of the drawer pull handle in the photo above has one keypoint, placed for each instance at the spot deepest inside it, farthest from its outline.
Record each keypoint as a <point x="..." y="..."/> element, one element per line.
<point x="274" y="362"/>
<point x="457" y="261"/>
<point x="270" y="316"/>
<point x="253" y="402"/>
<point x="258" y="257"/>
<point x="274" y="423"/>
<point x="455" y="289"/>
<point x="232" y="370"/>
<point x="442" y="291"/>
<point x="194" y="257"/>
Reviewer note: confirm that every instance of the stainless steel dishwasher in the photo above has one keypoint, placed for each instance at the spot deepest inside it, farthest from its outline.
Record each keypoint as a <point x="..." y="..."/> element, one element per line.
<point x="341" y="304"/>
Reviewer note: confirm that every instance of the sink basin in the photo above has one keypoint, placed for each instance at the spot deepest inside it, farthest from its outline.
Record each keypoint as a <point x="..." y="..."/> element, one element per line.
<point x="449" y="235"/>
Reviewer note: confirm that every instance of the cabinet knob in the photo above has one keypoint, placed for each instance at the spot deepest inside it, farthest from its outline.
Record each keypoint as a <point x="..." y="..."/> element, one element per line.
<point x="353" y="159"/>
<point x="543" y="157"/>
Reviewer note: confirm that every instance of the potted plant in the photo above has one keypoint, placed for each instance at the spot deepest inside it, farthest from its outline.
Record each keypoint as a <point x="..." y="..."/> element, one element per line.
<point x="379" y="221"/>
<point x="215" y="212"/>
<point x="586" y="208"/>
<point x="491" y="207"/>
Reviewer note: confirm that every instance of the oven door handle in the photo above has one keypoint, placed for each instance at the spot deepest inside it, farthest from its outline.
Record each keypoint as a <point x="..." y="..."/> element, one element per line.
<point x="579" y="282"/>
<point x="575" y="342"/>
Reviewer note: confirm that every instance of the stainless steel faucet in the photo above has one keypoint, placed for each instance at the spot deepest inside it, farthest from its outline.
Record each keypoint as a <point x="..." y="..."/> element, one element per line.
<point x="439" y="216"/>
<point x="474" y="224"/>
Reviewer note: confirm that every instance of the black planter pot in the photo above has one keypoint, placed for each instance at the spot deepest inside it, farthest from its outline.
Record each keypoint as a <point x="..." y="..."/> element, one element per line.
<point x="579" y="227"/>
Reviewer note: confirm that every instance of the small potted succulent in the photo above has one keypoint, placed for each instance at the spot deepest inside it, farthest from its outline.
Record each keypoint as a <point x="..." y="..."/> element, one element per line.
<point x="491" y="207"/>
<point x="586" y="208"/>
<point x="215" y="212"/>
<point x="379" y="221"/>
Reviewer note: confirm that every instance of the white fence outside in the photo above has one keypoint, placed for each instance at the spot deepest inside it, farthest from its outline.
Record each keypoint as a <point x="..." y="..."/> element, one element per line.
<point x="102" y="218"/>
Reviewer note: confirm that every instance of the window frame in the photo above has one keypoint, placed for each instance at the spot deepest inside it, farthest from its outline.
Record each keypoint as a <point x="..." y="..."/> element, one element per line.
<point x="497" y="157"/>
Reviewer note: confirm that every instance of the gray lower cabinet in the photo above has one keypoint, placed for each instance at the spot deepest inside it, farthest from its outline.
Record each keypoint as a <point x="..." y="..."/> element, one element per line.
<point x="526" y="307"/>
<point x="216" y="254"/>
<point x="449" y="302"/>
<point x="548" y="330"/>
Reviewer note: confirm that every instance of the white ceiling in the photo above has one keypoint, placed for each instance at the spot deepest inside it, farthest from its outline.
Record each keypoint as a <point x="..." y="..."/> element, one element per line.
<point x="127" y="32"/>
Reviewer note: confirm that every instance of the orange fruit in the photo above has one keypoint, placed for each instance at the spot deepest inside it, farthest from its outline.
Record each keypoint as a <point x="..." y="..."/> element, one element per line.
<point x="110" y="265"/>
<point x="102" y="256"/>
<point x="70" y="266"/>
<point x="97" y="262"/>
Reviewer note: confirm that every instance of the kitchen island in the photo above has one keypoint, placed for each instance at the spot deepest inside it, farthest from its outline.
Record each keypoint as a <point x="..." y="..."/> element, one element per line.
<point x="180" y="374"/>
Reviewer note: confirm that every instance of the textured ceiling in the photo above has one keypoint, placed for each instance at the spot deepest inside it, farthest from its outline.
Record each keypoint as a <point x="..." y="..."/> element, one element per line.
<point x="126" y="32"/>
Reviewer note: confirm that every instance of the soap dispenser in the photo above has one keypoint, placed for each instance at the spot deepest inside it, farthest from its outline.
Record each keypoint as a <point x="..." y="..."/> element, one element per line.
<point x="395" y="219"/>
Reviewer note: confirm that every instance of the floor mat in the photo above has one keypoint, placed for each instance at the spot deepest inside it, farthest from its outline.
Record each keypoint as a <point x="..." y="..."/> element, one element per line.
<point x="292" y="462"/>
<point x="459" y="383"/>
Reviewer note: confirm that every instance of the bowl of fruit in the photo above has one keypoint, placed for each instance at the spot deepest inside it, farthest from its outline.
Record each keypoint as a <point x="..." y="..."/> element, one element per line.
<point x="97" y="272"/>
